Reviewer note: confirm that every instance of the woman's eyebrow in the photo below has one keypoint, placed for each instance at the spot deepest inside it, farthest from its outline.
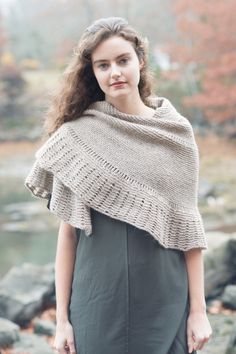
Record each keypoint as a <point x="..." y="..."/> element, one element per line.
<point x="121" y="55"/>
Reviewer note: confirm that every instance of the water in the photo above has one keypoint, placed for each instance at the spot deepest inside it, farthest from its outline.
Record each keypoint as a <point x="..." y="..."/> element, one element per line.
<point x="28" y="230"/>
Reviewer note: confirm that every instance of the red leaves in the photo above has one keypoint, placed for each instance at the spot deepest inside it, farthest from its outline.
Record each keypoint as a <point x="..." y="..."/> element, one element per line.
<point x="208" y="39"/>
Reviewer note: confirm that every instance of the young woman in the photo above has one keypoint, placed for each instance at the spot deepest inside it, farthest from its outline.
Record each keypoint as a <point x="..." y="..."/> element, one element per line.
<point x="120" y="169"/>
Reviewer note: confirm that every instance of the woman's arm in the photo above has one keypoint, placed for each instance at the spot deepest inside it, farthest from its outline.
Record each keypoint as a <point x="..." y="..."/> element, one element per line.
<point x="199" y="329"/>
<point x="64" y="267"/>
<point x="195" y="268"/>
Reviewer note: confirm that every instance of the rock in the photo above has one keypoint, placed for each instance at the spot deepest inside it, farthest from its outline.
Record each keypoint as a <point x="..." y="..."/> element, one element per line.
<point x="25" y="291"/>
<point x="219" y="265"/>
<point x="31" y="344"/>
<point x="231" y="348"/>
<point x="222" y="326"/>
<point x="44" y="327"/>
<point x="31" y="209"/>
<point x="206" y="189"/>
<point x="215" y="239"/>
<point x="229" y="297"/>
<point x="9" y="332"/>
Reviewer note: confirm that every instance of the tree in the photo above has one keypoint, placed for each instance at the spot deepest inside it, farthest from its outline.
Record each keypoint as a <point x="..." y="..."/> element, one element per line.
<point x="2" y="36"/>
<point x="207" y="48"/>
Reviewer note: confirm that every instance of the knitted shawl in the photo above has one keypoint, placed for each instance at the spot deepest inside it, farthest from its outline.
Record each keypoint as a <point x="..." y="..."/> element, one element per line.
<point x="143" y="171"/>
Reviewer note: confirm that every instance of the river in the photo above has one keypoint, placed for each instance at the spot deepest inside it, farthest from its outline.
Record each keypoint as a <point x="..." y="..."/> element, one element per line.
<point x="28" y="230"/>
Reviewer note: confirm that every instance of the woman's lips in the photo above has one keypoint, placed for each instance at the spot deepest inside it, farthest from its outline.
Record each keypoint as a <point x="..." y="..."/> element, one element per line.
<point x="118" y="84"/>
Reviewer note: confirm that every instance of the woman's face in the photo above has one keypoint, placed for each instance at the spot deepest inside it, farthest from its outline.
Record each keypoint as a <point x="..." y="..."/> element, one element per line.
<point x="115" y="60"/>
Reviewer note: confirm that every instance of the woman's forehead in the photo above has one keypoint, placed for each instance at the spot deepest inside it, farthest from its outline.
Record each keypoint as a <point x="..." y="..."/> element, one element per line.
<point x="112" y="48"/>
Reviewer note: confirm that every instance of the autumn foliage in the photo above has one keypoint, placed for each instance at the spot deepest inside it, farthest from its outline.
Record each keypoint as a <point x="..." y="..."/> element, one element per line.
<point x="2" y="36"/>
<point x="207" y="45"/>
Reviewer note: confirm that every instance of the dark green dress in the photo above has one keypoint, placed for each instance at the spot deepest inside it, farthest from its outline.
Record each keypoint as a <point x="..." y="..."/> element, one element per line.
<point x="129" y="294"/>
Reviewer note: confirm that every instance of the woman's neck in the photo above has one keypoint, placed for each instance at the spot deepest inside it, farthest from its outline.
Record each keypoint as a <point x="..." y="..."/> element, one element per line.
<point x="130" y="105"/>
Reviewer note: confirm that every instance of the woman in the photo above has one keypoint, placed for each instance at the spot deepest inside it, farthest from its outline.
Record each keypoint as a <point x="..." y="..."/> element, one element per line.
<point x="120" y="170"/>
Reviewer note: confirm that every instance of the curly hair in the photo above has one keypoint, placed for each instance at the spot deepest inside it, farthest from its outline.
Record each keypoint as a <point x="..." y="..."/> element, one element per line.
<point x="78" y="85"/>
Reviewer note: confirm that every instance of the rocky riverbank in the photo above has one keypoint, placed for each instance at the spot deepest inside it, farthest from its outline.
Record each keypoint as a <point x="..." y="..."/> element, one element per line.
<point x="27" y="303"/>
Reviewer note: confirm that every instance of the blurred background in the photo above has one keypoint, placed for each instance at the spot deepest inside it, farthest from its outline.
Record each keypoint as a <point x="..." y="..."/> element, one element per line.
<point x="193" y="55"/>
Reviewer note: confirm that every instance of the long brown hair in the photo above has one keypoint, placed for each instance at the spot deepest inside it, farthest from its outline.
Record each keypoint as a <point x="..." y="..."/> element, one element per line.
<point x="79" y="87"/>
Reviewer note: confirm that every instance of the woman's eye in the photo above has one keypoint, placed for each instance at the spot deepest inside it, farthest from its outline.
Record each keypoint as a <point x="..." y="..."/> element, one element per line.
<point x="102" y="66"/>
<point x="124" y="60"/>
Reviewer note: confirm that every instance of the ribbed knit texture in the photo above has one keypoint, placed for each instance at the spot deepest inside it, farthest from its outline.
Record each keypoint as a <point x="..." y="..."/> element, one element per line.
<point x="141" y="170"/>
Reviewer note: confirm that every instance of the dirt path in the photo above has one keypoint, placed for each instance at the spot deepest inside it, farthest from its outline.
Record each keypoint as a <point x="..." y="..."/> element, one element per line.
<point x="17" y="148"/>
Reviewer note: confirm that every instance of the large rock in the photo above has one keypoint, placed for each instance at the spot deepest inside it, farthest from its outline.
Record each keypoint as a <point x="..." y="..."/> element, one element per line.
<point x="31" y="344"/>
<point x="44" y="327"/>
<point x="9" y="332"/>
<point x="219" y="263"/>
<point x="206" y="189"/>
<point x="231" y="348"/>
<point x="25" y="291"/>
<point x="229" y="297"/>
<point x="222" y="326"/>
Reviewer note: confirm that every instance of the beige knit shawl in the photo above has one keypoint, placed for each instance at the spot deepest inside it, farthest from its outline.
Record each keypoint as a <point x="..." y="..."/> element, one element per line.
<point x="140" y="170"/>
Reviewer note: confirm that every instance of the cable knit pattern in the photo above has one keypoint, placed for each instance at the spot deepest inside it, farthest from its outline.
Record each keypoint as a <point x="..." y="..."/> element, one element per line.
<point x="141" y="170"/>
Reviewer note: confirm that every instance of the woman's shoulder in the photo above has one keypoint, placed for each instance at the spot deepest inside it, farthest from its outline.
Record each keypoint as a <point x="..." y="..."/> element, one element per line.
<point x="60" y="137"/>
<point x="166" y="109"/>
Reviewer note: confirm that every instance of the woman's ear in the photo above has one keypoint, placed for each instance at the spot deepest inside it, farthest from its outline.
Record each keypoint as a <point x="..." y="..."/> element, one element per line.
<point x="141" y="64"/>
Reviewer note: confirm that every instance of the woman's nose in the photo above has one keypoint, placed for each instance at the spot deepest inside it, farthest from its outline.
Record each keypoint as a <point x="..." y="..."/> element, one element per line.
<point x="115" y="71"/>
